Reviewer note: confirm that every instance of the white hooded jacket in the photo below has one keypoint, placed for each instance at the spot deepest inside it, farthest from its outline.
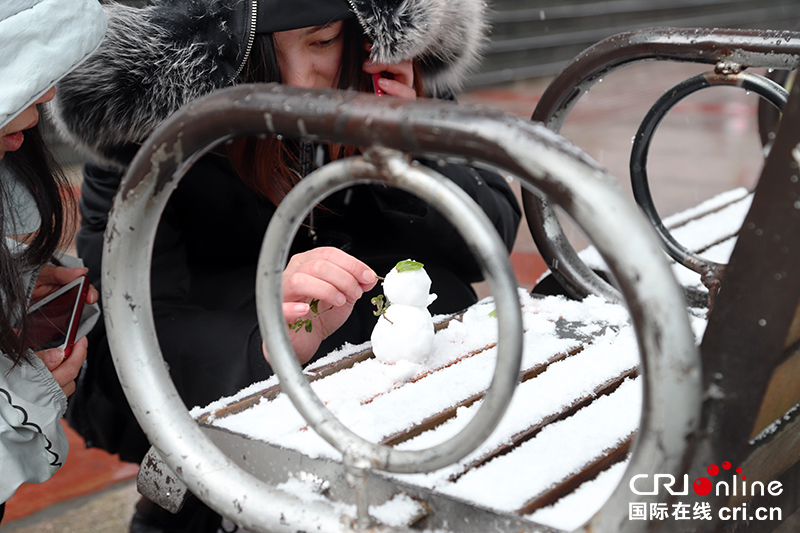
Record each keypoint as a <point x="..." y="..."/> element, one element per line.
<point x="40" y="42"/>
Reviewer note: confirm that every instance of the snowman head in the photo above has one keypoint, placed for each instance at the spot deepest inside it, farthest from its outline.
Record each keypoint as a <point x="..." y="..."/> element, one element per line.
<point x="407" y="284"/>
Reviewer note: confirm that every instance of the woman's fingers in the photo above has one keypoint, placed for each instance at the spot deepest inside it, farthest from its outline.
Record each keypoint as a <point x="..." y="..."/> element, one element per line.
<point x="51" y="358"/>
<point x="334" y="278"/>
<point x="69" y="368"/>
<point x="53" y="277"/>
<point x="303" y="286"/>
<point x="398" y="89"/>
<point x="92" y="295"/>
<point x="327" y="274"/>
<point x="363" y="274"/>
<point x="294" y="310"/>
<point x="69" y="388"/>
<point x="65" y="370"/>
<point x="398" y="78"/>
<point x="58" y="275"/>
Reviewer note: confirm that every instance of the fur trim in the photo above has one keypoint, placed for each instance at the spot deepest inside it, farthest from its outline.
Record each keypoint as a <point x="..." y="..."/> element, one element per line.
<point x="158" y="58"/>
<point x="447" y="36"/>
<point x="154" y="60"/>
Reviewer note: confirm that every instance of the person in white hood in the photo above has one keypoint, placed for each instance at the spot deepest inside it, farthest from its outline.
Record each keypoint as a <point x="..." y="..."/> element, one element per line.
<point x="40" y="42"/>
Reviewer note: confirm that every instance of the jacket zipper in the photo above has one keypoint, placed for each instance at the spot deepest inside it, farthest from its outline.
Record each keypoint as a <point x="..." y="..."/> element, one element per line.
<point x="357" y="13"/>
<point x="251" y="37"/>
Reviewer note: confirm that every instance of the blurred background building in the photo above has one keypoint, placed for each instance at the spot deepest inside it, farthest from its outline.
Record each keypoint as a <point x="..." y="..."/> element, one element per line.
<point x="535" y="38"/>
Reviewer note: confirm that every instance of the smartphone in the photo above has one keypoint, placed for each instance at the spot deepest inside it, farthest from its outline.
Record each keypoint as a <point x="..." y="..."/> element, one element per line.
<point x="53" y="321"/>
<point x="375" y="78"/>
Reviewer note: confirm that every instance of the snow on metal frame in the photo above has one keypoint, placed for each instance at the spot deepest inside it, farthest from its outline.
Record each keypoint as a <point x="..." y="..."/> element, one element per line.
<point x="544" y="161"/>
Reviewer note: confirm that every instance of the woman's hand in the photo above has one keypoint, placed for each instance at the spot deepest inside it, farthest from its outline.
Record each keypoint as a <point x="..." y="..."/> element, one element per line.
<point x="65" y="370"/>
<point x="52" y="278"/>
<point x="331" y="276"/>
<point x="400" y="81"/>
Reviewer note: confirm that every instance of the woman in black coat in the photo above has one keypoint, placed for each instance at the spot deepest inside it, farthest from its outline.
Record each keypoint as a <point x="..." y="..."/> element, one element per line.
<point x="160" y="57"/>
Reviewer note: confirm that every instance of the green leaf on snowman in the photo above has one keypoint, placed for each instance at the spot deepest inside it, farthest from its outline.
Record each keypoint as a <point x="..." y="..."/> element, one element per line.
<point x="381" y="303"/>
<point x="408" y="266"/>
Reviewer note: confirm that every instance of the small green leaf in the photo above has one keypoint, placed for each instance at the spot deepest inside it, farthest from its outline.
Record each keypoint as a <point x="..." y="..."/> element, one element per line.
<point x="408" y="265"/>
<point x="493" y="314"/>
<point x="306" y="323"/>
<point x="381" y="303"/>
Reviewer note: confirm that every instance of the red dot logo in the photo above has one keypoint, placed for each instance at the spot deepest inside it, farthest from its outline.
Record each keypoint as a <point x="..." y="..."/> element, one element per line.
<point x="702" y="486"/>
<point x="738" y="470"/>
<point x="726" y="465"/>
<point x="712" y="470"/>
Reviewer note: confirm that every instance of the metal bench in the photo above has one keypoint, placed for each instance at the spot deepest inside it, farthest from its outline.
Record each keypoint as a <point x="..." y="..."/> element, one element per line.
<point x="696" y="411"/>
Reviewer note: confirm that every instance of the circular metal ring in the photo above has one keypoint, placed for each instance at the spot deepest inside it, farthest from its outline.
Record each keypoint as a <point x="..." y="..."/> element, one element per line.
<point x="766" y="88"/>
<point x="768" y="116"/>
<point x="665" y="44"/>
<point x="542" y="160"/>
<point x="478" y="232"/>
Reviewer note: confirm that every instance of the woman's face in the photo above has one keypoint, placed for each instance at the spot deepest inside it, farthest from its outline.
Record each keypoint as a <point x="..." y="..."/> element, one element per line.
<point x="11" y="136"/>
<point x="310" y="57"/>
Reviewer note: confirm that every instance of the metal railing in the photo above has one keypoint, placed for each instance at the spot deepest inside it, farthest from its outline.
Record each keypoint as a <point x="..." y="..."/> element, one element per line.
<point x="730" y="51"/>
<point x="545" y="163"/>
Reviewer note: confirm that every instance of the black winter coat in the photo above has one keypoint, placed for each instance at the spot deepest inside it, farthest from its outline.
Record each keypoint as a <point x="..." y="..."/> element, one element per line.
<point x="203" y="277"/>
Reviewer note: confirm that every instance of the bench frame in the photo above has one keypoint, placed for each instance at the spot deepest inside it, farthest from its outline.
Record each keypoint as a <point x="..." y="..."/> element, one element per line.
<point x="688" y="421"/>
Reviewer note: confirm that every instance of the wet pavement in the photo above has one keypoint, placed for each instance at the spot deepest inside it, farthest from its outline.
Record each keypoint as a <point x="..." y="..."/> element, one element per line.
<point x="707" y="144"/>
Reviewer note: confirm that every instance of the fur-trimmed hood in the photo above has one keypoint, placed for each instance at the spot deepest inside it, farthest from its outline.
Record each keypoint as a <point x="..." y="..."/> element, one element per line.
<point x="158" y="58"/>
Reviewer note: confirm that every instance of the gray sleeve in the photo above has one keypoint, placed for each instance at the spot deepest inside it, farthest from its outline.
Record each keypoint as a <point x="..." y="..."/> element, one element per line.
<point x="33" y="444"/>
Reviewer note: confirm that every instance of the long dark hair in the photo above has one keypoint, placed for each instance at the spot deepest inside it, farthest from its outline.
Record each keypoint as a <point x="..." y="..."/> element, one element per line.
<point x="268" y="165"/>
<point x="35" y="168"/>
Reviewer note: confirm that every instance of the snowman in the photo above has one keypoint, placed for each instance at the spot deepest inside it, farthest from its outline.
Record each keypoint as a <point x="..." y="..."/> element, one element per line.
<point x="404" y="331"/>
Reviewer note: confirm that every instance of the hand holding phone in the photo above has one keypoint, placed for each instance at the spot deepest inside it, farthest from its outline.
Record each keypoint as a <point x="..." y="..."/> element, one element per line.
<point x="401" y="76"/>
<point x="53" y="321"/>
<point x="65" y="370"/>
<point x="375" y="85"/>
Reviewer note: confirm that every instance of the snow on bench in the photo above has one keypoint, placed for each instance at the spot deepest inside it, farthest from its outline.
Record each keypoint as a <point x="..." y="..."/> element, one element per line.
<point x="561" y="448"/>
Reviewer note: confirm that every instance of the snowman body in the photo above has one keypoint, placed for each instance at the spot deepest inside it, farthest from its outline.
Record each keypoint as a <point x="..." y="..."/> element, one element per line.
<point x="404" y="332"/>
